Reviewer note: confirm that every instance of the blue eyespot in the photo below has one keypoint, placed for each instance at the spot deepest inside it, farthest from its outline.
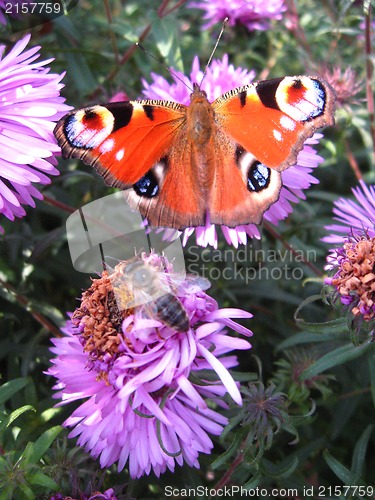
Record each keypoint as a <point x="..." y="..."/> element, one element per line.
<point x="147" y="186"/>
<point x="258" y="177"/>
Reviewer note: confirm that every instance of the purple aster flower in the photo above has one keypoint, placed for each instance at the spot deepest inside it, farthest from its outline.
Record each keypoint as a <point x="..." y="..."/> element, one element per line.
<point x="254" y="14"/>
<point x="352" y="262"/>
<point x="30" y="104"/>
<point x="354" y="278"/>
<point x="146" y="385"/>
<point x="355" y="218"/>
<point x="220" y="78"/>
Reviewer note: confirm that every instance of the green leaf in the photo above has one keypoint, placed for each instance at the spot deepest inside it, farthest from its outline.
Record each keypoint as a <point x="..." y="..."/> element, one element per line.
<point x="359" y="455"/>
<point x="167" y="39"/>
<point x="64" y="25"/>
<point x="254" y="481"/>
<point x="307" y="338"/>
<point x="17" y="413"/>
<point x="341" y="355"/>
<point x="282" y="469"/>
<point x="27" y="491"/>
<point x="27" y="453"/>
<point x="9" y="388"/>
<point x="224" y="457"/>
<point x="353" y="476"/>
<point x="42" y="444"/>
<point x="43" y="480"/>
<point x="340" y="470"/>
<point x="237" y="419"/>
<point x="7" y="492"/>
<point x="336" y="326"/>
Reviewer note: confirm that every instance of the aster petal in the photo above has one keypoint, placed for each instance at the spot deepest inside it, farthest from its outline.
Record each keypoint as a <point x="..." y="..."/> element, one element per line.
<point x="223" y="374"/>
<point x="190" y="391"/>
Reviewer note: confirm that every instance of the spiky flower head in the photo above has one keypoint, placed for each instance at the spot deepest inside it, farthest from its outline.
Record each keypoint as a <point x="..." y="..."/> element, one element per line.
<point x="346" y="84"/>
<point x="354" y="279"/>
<point x="265" y="411"/>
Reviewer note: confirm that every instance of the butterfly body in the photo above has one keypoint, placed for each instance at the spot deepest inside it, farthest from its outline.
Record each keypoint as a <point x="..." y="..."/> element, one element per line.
<point x="185" y="165"/>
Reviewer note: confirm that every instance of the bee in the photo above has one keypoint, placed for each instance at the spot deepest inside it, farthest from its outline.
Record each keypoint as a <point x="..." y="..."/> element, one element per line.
<point x="153" y="291"/>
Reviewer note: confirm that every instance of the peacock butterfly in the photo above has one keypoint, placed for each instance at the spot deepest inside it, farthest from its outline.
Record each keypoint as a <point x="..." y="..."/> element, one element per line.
<point x="220" y="161"/>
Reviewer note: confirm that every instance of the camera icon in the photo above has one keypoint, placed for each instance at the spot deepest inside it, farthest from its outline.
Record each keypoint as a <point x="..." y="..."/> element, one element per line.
<point x="107" y="231"/>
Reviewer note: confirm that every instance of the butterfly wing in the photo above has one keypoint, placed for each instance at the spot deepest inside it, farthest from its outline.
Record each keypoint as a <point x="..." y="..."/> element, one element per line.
<point x="171" y="194"/>
<point x="184" y="164"/>
<point x="242" y="188"/>
<point x="122" y="140"/>
<point x="139" y="145"/>
<point x="272" y="118"/>
<point x="260" y="130"/>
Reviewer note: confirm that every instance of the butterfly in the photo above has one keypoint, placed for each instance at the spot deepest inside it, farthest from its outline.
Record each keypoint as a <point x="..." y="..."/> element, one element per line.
<point x="220" y="161"/>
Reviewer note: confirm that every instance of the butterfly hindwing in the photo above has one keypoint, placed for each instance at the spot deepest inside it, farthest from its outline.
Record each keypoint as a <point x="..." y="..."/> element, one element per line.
<point x="176" y="197"/>
<point x="243" y="188"/>
<point x="273" y="118"/>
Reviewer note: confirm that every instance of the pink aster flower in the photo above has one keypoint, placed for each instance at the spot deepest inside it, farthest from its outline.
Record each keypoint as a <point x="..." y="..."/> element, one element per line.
<point x="30" y="104"/>
<point x="220" y="78"/>
<point x="354" y="278"/>
<point x="354" y="217"/>
<point x="146" y="386"/>
<point x="352" y="261"/>
<point x="254" y="14"/>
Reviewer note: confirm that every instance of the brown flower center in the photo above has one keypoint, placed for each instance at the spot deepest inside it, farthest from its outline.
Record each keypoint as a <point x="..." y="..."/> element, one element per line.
<point x="101" y="313"/>
<point x="356" y="276"/>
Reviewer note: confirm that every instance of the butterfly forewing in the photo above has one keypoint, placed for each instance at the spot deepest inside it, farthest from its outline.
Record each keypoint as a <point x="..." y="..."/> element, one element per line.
<point x="272" y="118"/>
<point x="122" y="140"/>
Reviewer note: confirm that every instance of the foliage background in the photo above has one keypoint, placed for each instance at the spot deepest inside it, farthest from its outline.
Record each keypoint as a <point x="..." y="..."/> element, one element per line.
<point x="333" y="407"/>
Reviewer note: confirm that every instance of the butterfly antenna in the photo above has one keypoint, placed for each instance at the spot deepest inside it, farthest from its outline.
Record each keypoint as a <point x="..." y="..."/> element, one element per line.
<point x="223" y="27"/>
<point x="164" y="66"/>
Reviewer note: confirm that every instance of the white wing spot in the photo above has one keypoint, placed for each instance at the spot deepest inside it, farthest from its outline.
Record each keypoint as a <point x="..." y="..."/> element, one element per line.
<point x="287" y="123"/>
<point x="277" y="135"/>
<point x="120" y="154"/>
<point x="107" y="146"/>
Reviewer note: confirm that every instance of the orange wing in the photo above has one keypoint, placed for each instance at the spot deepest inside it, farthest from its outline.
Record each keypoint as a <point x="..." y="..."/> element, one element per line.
<point x="122" y="140"/>
<point x="242" y="188"/>
<point x="171" y="194"/>
<point x="272" y="118"/>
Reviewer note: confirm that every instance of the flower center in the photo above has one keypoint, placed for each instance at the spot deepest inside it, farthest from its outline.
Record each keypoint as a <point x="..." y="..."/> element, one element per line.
<point x="100" y="317"/>
<point x="355" y="277"/>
